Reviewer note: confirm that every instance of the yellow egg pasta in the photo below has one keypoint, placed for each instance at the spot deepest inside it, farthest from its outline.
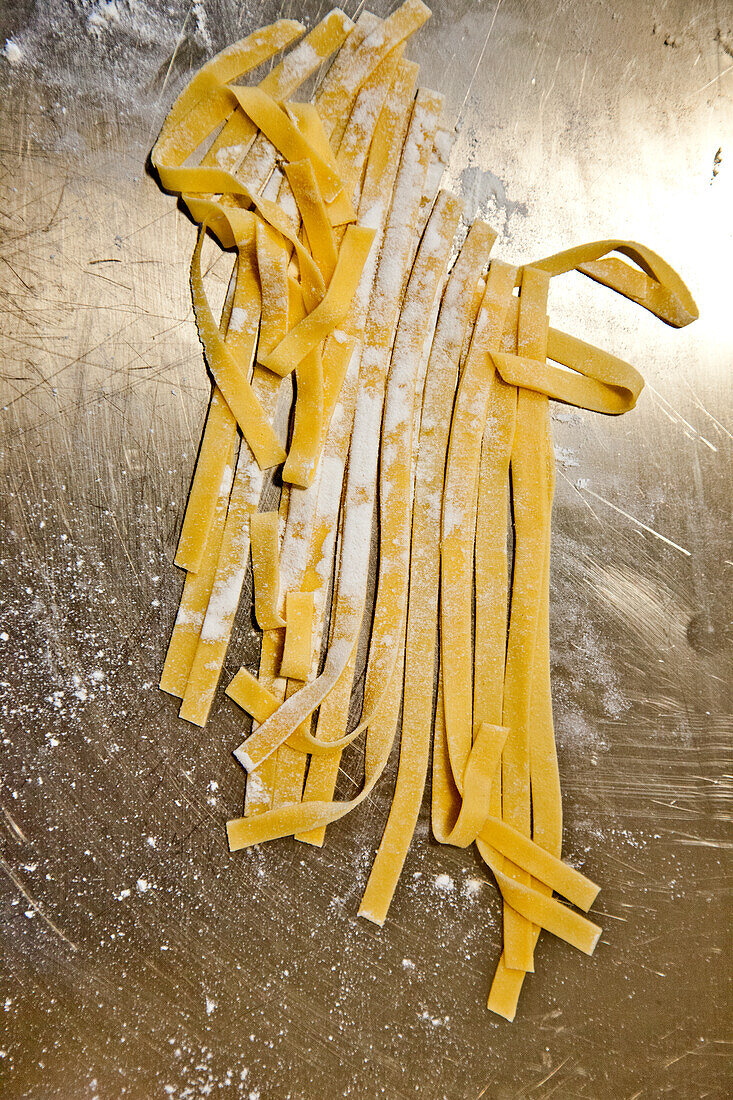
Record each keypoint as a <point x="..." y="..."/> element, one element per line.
<point x="375" y="361"/>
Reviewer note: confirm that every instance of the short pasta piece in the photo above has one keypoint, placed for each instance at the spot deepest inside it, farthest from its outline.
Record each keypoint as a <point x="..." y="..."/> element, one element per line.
<point x="296" y="662"/>
<point x="264" y="538"/>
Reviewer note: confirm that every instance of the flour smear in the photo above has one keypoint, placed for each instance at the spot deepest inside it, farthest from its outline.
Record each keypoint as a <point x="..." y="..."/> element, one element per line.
<point x="141" y="52"/>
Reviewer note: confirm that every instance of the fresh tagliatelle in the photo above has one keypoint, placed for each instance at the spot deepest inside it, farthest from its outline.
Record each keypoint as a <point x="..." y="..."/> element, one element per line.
<point x="375" y="362"/>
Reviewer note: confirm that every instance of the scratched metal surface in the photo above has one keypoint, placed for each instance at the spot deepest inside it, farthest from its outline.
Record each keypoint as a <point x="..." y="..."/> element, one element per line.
<point x="141" y="958"/>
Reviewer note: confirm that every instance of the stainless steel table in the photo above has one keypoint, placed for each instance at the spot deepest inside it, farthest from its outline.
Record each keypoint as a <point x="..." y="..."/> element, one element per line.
<point x="141" y="958"/>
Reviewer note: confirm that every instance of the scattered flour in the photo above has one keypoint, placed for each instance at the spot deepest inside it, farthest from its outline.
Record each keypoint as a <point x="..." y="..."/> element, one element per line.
<point x="12" y="52"/>
<point x="238" y="319"/>
<point x="102" y="16"/>
<point x="483" y="191"/>
<point x="566" y="457"/>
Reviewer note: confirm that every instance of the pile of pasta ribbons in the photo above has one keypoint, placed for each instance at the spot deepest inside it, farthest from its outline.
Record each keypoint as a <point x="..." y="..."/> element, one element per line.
<point x="423" y="372"/>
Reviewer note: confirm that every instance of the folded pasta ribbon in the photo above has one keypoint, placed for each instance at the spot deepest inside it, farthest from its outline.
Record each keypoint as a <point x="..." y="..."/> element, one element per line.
<point x="598" y="380"/>
<point x="322" y="321"/>
<point x="231" y="379"/>
<point x="287" y="138"/>
<point x="205" y="102"/>
<point x="653" y="284"/>
<point x="483" y="760"/>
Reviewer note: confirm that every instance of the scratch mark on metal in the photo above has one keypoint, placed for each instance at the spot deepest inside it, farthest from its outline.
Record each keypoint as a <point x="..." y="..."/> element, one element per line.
<point x="675" y="417"/>
<point x="481" y="56"/>
<point x="35" y="906"/>
<point x="717" y="77"/>
<point x="638" y="522"/>
<point x="575" y="488"/>
<point x="15" y="827"/>
<point x="698" y="402"/>
<point x="550" y="1074"/>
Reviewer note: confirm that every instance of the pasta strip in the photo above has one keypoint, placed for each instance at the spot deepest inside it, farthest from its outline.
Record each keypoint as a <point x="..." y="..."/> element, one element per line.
<point x="491" y="574"/>
<point x="319" y="380"/>
<point x="230" y="377"/>
<point x="261" y="783"/>
<point x="445" y="798"/>
<point x="327" y="316"/>
<point x="252" y="695"/>
<point x="222" y="606"/>
<point x="308" y="420"/>
<point x="530" y="473"/>
<point x="544" y="773"/>
<point x="491" y="566"/>
<point x="361" y="482"/>
<point x="303" y="60"/>
<point x="302" y="180"/>
<point x="310" y="123"/>
<point x="456" y="313"/>
<point x="349" y="77"/>
<point x="545" y="780"/>
<point x="272" y="264"/>
<point x="611" y="386"/>
<point x="657" y="286"/>
<point x="195" y="598"/>
<point x="286" y="137"/>
<point x="444" y="141"/>
<point x="264" y="537"/>
<point x="220" y="436"/>
<point x="296" y="662"/>
<point x="531" y="856"/>
<point x="305" y="444"/>
<point x="336" y="358"/>
<point x="201" y="105"/>
<point x="544" y="911"/>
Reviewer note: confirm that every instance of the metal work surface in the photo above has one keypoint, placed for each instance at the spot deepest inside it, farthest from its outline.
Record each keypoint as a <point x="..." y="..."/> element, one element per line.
<point x="141" y="959"/>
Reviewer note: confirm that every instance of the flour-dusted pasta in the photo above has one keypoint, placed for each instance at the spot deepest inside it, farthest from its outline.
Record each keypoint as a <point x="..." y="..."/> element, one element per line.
<point x="397" y="398"/>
